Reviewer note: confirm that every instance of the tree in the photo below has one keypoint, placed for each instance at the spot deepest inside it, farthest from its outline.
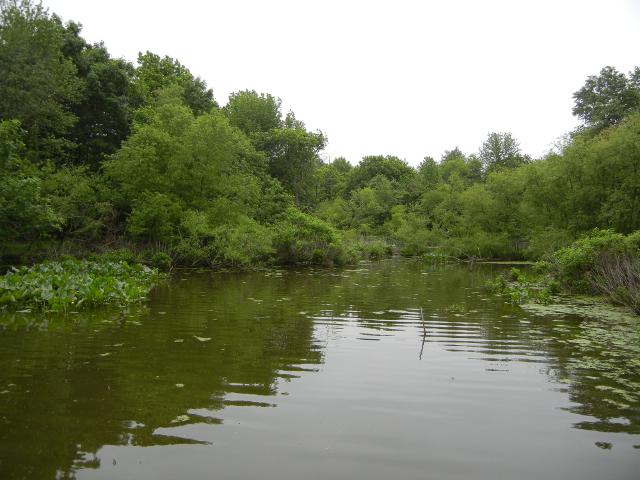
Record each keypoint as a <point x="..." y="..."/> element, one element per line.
<point x="155" y="73"/>
<point x="292" y="158"/>
<point x="607" y="98"/>
<point x="105" y="109"/>
<point x="428" y="173"/>
<point x="456" y="166"/>
<point x="38" y="84"/>
<point x="24" y="212"/>
<point x="501" y="150"/>
<point x="393" y="168"/>
<point x="252" y="112"/>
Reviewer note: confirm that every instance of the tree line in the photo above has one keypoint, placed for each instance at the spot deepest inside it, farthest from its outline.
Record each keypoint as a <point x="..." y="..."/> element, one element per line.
<point x="98" y="154"/>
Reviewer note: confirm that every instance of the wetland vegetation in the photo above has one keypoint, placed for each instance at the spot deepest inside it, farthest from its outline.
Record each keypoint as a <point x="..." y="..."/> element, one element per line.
<point x="98" y="154"/>
<point x="372" y="303"/>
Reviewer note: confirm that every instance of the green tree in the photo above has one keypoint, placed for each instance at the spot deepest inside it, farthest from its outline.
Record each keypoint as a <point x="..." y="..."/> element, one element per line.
<point x="252" y="112"/>
<point x="604" y="100"/>
<point x="25" y="213"/>
<point x="393" y="168"/>
<point x="428" y="173"/>
<point x="155" y="73"/>
<point x="105" y="108"/>
<point x="38" y="84"/>
<point x="501" y="150"/>
<point x="292" y="158"/>
<point x="330" y="179"/>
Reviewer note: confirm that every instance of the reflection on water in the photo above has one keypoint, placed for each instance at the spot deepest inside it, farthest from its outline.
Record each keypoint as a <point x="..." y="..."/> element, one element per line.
<point x="394" y="369"/>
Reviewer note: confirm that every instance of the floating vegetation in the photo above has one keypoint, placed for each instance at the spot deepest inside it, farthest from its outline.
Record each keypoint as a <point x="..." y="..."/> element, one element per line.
<point x="590" y="307"/>
<point x="521" y="288"/>
<point x="604" y="445"/>
<point x="202" y="339"/>
<point x="70" y="285"/>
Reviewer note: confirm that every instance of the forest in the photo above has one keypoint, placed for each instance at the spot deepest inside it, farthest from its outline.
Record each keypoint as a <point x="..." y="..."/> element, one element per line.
<point x="101" y="158"/>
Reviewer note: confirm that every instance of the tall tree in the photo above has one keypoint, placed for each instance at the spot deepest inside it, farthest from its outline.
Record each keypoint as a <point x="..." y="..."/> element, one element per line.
<point x="605" y="99"/>
<point x="108" y="98"/>
<point x="292" y="158"/>
<point x="252" y="112"/>
<point x="155" y="72"/>
<point x="501" y="150"/>
<point x="38" y="84"/>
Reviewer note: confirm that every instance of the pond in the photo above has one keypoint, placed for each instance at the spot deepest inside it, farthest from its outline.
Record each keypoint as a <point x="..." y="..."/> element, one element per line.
<point x="394" y="369"/>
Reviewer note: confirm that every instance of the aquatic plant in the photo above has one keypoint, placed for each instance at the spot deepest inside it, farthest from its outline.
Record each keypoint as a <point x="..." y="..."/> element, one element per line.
<point x="74" y="284"/>
<point x="521" y="288"/>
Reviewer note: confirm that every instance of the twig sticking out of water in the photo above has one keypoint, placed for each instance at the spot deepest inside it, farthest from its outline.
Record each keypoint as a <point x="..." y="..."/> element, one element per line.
<point x="424" y="332"/>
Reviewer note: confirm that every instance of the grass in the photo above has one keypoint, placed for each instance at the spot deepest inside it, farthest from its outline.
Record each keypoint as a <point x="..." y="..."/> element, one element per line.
<point x="61" y="286"/>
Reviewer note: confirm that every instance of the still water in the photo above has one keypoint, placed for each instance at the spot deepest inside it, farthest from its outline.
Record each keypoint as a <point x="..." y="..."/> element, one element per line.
<point x="394" y="369"/>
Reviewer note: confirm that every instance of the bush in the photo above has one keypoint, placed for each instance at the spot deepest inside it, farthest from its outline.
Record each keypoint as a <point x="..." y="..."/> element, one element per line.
<point x="155" y="216"/>
<point x="602" y="262"/>
<point x="74" y="195"/>
<point x="573" y="265"/>
<point x="162" y="261"/>
<point x="376" y="249"/>
<point x="242" y="243"/>
<point x="618" y="277"/>
<point x="302" y="238"/>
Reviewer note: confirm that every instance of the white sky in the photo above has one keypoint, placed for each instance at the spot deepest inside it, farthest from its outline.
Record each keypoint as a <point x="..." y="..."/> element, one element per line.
<point x="405" y="78"/>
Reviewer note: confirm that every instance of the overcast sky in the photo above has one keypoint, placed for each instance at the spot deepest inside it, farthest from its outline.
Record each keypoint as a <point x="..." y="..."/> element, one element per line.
<point x="405" y="78"/>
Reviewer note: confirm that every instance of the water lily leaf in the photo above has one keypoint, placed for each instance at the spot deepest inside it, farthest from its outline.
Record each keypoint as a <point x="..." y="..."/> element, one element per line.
<point x="180" y="419"/>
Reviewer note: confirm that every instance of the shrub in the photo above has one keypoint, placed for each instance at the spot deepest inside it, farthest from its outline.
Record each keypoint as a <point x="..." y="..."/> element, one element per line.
<point x="603" y="262"/>
<point x="242" y="243"/>
<point x="302" y="238"/>
<point x="618" y="277"/>
<point x="155" y="216"/>
<point x="572" y="265"/>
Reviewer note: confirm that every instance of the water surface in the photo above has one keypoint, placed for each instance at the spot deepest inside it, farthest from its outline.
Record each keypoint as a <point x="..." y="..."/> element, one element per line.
<point x="394" y="369"/>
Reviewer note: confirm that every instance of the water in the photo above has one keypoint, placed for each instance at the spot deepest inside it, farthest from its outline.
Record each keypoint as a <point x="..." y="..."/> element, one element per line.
<point x="321" y="374"/>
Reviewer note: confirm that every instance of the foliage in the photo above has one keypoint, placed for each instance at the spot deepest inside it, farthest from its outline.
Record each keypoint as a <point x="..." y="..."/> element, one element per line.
<point x="242" y="243"/>
<point x="606" y="99"/>
<point x="108" y="98"/>
<point x="155" y="217"/>
<point x="501" y="150"/>
<point x="618" y="277"/>
<point x="97" y="153"/>
<point x="574" y="265"/>
<point x="25" y="212"/>
<point x="74" y="284"/>
<point x="252" y="112"/>
<point x="77" y="197"/>
<point x="302" y="238"/>
<point x="155" y="73"/>
<point x="38" y="82"/>
<point x="292" y="158"/>
<point x="520" y="287"/>
<point x="601" y="262"/>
